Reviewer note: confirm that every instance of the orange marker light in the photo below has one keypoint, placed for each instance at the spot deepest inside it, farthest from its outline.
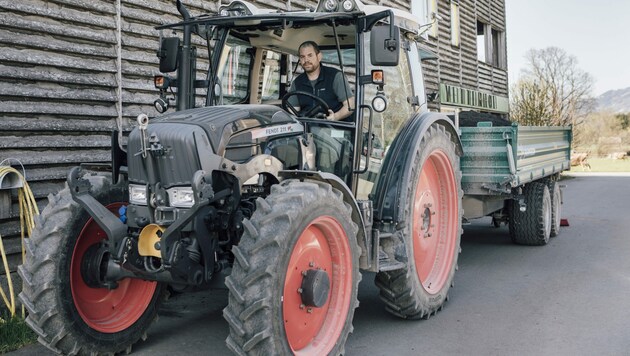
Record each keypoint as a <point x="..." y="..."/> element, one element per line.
<point x="158" y="80"/>
<point x="377" y="77"/>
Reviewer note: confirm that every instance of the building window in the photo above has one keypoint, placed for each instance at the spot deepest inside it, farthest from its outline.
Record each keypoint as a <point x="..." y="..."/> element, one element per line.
<point x="433" y="17"/>
<point x="491" y="45"/>
<point x="455" y="28"/>
<point x="482" y="48"/>
<point x="498" y="49"/>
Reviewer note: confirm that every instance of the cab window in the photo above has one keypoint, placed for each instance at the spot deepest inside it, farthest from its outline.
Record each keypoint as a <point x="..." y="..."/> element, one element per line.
<point x="233" y="71"/>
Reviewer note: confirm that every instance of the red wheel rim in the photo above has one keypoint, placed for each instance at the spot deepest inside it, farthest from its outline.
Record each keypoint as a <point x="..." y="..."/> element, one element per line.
<point x="322" y="245"/>
<point x="435" y="214"/>
<point x="106" y="311"/>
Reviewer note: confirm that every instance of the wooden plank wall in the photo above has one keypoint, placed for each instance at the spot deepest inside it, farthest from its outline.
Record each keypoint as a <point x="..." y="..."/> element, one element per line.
<point x="71" y="71"/>
<point x="458" y="65"/>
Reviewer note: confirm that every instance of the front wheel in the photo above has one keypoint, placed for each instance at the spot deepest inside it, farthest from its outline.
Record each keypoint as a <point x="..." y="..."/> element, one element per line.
<point x="69" y="316"/>
<point x="293" y="286"/>
<point x="430" y="233"/>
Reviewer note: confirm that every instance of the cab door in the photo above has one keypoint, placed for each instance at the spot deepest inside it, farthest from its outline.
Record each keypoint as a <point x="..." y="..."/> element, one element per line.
<point x="398" y="91"/>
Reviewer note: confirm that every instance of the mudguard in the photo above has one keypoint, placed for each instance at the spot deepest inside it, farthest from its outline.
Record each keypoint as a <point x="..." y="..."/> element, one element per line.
<point x="363" y="236"/>
<point x="398" y="163"/>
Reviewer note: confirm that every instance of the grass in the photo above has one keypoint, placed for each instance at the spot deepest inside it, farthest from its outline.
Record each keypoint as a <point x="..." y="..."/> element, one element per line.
<point x="14" y="334"/>
<point x="605" y="165"/>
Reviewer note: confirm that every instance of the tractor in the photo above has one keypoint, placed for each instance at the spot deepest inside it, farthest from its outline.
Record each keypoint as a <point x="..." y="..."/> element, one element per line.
<point x="237" y="187"/>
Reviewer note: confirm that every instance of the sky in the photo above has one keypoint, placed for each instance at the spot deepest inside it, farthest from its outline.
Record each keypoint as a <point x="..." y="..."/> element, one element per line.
<point x="596" y="32"/>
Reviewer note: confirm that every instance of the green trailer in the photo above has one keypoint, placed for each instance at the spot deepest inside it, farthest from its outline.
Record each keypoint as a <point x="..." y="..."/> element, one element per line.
<point x="511" y="174"/>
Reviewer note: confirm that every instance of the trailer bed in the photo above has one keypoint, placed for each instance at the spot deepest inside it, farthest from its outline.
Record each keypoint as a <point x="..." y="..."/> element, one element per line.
<point x="497" y="159"/>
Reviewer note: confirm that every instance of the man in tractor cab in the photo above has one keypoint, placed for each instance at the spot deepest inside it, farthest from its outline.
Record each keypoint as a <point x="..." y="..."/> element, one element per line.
<point x="326" y="83"/>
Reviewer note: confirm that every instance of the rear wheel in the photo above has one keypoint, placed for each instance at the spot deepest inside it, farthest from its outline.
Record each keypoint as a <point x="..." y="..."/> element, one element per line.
<point x="69" y="316"/>
<point x="431" y="231"/>
<point x="532" y="226"/>
<point x="556" y="207"/>
<point x="293" y="287"/>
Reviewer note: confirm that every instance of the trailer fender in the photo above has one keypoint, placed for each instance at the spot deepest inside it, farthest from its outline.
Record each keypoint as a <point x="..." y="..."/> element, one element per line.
<point x="398" y="163"/>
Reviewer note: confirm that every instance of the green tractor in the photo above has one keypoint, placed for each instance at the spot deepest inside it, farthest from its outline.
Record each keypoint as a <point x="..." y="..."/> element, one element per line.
<point x="238" y="187"/>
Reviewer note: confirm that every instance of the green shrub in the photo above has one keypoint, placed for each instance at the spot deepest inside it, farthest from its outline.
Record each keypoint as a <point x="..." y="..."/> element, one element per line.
<point x="14" y="333"/>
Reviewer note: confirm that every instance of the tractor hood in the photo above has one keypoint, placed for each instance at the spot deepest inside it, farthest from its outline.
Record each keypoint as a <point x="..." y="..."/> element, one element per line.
<point x="222" y="122"/>
<point x="179" y="141"/>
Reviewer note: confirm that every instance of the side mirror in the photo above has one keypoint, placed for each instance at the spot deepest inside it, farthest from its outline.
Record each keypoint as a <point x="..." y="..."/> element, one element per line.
<point x="168" y="54"/>
<point x="385" y="45"/>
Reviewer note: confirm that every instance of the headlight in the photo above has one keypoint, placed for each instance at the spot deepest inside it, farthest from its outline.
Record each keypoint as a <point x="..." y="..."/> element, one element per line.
<point x="181" y="197"/>
<point x="138" y="194"/>
<point x="379" y="103"/>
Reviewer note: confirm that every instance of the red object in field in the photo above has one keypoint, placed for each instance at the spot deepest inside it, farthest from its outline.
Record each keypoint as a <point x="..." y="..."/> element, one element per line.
<point x="564" y="222"/>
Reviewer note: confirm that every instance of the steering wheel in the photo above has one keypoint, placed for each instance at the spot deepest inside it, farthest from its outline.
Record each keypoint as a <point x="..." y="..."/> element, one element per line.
<point x="320" y="105"/>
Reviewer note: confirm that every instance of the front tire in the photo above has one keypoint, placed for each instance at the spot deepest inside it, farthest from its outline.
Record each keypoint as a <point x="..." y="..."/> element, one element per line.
<point x="430" y="233"/>
<point x="69" y="316"/>
<point x="300" y="237"/>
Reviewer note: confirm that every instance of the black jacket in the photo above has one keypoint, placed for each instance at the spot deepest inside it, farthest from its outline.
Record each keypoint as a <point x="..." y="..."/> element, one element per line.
<point x="323" y="89"/>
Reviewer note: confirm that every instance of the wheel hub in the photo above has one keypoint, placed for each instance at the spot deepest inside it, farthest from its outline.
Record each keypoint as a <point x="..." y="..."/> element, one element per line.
<point x="94" y="266"/>
<point x="315" y="288"/>
<point x="426" y="220"/>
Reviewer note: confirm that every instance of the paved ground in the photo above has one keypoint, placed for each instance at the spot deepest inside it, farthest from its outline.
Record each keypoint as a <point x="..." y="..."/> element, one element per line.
<point x="571" y="297"/>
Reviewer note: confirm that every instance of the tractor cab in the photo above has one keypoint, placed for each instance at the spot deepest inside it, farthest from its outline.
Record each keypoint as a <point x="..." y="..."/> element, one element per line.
<point x="251" y="58"/>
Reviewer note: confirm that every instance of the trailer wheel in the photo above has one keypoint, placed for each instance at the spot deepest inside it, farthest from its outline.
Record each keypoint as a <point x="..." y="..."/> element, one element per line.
<point x="70" y="317"/>
<point x="293" y="286"/>
<point x="431" y="231"/>
<point x="556" y="207"/>
<point x="532" y="226"/>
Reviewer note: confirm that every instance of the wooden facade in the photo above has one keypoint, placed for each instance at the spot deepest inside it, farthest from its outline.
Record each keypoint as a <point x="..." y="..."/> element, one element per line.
<point x="458" y="65"/>
<point x="71" y="71"/>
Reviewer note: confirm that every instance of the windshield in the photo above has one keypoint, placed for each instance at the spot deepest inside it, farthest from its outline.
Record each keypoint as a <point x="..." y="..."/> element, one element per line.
<point x="256" y="66"/>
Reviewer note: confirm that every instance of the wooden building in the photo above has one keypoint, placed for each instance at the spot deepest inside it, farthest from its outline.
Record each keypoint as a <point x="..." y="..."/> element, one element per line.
<point x="469" y="39"/>
<point x="71" y="71"/>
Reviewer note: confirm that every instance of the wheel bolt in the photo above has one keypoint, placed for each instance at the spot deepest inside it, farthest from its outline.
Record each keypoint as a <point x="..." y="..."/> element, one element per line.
<point x="311" y="264"/>
<point x="304" y="273"/>
<point x="302" y="306"/>
<point x="309" y="310"/>
<point x="300" y="290"/>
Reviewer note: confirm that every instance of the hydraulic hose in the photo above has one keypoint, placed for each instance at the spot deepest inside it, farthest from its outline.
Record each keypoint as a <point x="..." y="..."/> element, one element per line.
<point x="28" y="210"/>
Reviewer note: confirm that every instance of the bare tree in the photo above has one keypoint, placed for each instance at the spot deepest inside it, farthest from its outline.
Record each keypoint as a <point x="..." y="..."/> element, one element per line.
<point x="552" y="90"/>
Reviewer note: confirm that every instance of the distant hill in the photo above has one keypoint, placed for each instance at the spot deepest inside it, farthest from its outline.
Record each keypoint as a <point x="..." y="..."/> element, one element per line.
<point x="614" y="100"/>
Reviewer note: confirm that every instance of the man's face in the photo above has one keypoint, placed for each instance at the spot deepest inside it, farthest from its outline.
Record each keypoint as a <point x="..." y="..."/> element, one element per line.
<point x="309" y="59"/>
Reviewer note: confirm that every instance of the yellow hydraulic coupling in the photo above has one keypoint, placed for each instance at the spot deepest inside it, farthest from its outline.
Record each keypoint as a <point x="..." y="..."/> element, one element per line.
<point x="149" y="240"/>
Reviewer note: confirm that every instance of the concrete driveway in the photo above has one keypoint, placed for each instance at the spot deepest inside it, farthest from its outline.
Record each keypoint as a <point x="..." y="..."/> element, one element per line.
<point x="571" y="297"/>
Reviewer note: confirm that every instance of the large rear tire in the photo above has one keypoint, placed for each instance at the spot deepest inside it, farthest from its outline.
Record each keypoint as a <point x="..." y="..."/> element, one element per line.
<point x="431" y="231"/>
<point x="532" y="226"/>
<point x="70" y="317"/>
<point x="293" y="286"/>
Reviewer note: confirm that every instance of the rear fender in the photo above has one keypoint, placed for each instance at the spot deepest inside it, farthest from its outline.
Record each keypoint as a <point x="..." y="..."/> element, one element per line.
<point x="397" y="164"/>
